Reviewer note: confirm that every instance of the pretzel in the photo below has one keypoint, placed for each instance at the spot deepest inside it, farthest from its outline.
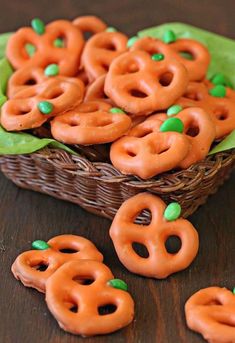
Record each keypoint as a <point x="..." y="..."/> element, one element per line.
<point x="197" y="67"/>
<point x="67" y="57"/>
<point x="211" y="312"/>
<point x="100" y="51"/>
<point x="136" y="83"/>
<point x="24" y="78"/>
<point x="90" y="123"/>
<point x="198" y="128"/>
<point x="221" y="110"/>
<point x="26" y="267"/>
<point x="90" y="24"/>
<point x="150" y="155"/>
<point x="77" y="306"/>
<point x="95" y="91"/>
<point x="159" y="264"/>
<point x="22" y="112"/>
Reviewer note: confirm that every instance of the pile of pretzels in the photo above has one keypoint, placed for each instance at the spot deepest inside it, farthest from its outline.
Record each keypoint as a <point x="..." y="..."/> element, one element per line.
<point x="148" y="97"/>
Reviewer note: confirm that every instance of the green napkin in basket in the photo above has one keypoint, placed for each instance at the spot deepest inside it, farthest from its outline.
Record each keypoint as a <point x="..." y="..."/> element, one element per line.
<point x="223" y="61"/>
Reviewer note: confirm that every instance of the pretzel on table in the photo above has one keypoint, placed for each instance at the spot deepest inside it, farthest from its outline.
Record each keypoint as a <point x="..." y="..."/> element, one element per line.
<point x="77" y="304"/>
<point x="211" y="312"/>
<point x="164" y="223"/>
<point x="50" y="256"/>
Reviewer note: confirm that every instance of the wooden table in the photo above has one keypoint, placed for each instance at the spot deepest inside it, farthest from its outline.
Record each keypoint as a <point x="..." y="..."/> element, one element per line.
<point x="26" y="216"/>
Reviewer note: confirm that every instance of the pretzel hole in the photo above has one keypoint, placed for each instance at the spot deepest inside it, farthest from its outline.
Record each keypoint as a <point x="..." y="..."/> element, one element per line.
<point x="140" y="250"/>
<point x="68" y="251"/>
<point x="71" y="306"/>
<point x="30" y="82"/>
<point x="62" y="40"/>
<point x="161" y="150"/>
<point x="173" y="244"/>
<point x="143" y="218"/>
<point x="131" y="153"/>
<point x="187" y="55"/>
<point x="166" y="79"/>
<point x="84" y="280"/>
<point x="74" y="123"/>
<point x="109" y="46"/>
<point x="193" y="96"/>
<point x="87" y="34"/>
<point x="137" y="93"/>
<point x="213" y="302"/>
<point x="41" y="267"/>
<point x="221" y="114"/>
<point x="74" y="309"/>
<point x="105" y="66"/>
<point x="143" y="132"/>
<point x="106" y="309"/>
<point x="30" y="49"/>
<point x="192" y="131"/>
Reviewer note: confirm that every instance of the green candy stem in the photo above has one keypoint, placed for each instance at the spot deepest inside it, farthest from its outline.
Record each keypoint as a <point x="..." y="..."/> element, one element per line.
<point x="169" y="37"/>
<point x="234" y="290"/>
<point x="172" y="211"/>
<point x="58" y="43"/>
<point x="52" y="70"/>
<point x="118" y="283"/>
<point x="45" y="107"/>
<point x="38" y="26"/>
<point x="111" y="29"/>
<point x="172" y="124"/>
<point x="131" y="41"/>
<point x="116" y="110"/>
<point x="221" y="79"/>
<point x="40" y="245"/>
<point x="219" y="91"/>
<point x="158" y="57"/>
<point x="174" y="109"/>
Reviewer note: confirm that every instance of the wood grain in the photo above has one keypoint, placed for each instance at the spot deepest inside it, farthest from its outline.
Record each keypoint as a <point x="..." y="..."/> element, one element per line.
<point x="26" y="216"/>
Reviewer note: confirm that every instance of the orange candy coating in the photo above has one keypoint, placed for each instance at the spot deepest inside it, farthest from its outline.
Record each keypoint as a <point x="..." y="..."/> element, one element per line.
<point x="211" y="312"/>
<point x="90" y="123"/>
<point x="141" y="86"/>
<point x="65" y="292"/>
<point x="67" y="57"/>
<point x="159" y="264"/>
<point x="24" y="267"/>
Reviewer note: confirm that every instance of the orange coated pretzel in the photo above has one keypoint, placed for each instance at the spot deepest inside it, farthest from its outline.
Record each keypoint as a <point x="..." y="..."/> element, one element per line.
<point x="211" y="312"/>
<point x="221" y="110"/>
<point x="100" y="51"/>
<point x="95" y="91"/>
<point x="22" y="112"/>
<point x="197" y="67"/>
<point x="24" y="78"/>
<point x="34" y="267"/>
<point x="67" y="57"/>
<point x="90" y="123"/>
<point x="77" y="306"/>
<point x="136" y="83"/>
<point x="198" y="128"/>
<point x="90" y="24"/>
<point x="150" y="155"/>
<point x="159" y="263"/>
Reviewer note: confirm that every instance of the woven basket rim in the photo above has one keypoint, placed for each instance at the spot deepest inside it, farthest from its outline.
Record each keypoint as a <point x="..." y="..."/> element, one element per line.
<point x="81" y="166"/>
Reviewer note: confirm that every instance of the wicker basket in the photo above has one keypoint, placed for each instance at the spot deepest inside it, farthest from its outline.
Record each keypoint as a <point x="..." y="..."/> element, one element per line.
<point x="99" y="188"/>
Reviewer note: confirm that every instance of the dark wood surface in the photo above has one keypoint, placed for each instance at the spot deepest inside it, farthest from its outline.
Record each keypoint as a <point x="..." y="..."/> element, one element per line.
<point x="26" y="216"/>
